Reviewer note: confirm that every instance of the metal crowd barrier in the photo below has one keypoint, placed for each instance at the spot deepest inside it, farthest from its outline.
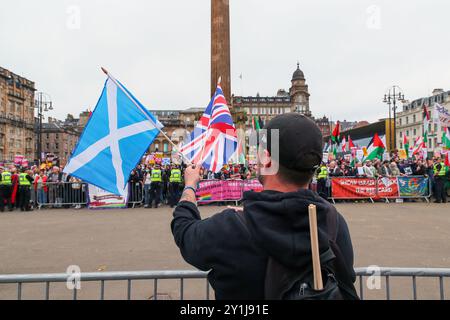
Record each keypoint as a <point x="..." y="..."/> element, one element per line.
<point x="61" y="194"/>
<point x="136" y="194"/>
<point x="387" y="273"/>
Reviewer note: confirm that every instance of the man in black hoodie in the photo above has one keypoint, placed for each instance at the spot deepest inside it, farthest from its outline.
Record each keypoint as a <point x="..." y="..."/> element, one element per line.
<point x="235" y="246"/>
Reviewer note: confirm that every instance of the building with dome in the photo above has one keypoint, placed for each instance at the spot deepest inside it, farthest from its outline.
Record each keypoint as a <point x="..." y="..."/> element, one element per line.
<point x="267" y="107"/>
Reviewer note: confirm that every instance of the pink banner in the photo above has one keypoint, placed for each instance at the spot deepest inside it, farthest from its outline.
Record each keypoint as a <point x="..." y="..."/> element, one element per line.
<point x="253" y="185"/>
<point x="225" y="190"/>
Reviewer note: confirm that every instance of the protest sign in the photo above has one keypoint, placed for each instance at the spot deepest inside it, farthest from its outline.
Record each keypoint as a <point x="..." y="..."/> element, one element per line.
<point x="388" y="188"/>
<point x="101" y="199"/>
<point x="411" y="187"/>
<point x="353" y="188"/>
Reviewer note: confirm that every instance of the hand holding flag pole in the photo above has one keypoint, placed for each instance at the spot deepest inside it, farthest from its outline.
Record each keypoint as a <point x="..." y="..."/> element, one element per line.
<point x="110" y="76"/>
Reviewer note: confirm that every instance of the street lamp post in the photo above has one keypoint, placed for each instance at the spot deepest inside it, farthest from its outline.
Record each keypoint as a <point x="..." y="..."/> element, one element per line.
<point x="393" y="95"/>
<point x="43" y="104"/>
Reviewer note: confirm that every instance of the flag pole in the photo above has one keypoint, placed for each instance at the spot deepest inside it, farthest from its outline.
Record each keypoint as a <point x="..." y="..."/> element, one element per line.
<point x="110" y="76"/>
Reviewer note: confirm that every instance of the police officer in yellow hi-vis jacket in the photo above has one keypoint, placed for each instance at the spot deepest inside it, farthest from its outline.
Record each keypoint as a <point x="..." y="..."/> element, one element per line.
<point x="5" y="189"/>
<point x="175" y="182"/>
<point x="155" y="186"/>
<point x="441" y="173"/>
<point x="322" y="177"/>
<point x="25" y="181"/>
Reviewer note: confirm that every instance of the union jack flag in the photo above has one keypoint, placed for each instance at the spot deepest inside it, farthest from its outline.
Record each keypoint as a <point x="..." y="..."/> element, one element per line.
<point x="214" y="140"/>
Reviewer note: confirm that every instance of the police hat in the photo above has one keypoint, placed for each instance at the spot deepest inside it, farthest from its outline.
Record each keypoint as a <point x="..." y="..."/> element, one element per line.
<point x="300" y="142"/>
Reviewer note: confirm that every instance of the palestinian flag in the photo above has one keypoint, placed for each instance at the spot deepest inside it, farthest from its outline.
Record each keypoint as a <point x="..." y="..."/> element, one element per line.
<point x="375" y="149"/>
<point x="256" y="124"/>
<point x="335" y="137"/>
<point x="406" y="145"/>
<point x="261" y="123"/>
<point x="350" y="143"/>
<point x="446" y="138"/>
<point x="426" y="124"/>
<point x="447" y="159"/>
<point x="344" y="145"/>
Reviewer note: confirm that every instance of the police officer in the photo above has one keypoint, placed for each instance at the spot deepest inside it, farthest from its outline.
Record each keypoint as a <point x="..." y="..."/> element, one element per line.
<point x="5" y="189"/>
<point x="155" y="186"/>
<point x="322" y="177"/>
<point x="174" y="186"/>
<point x="249" y="249"/>
<point x="440" y="178"/>
<point x="25" y="181"/>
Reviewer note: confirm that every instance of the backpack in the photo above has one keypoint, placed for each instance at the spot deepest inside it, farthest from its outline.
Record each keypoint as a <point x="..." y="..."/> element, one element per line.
<point x="283" y="283"/>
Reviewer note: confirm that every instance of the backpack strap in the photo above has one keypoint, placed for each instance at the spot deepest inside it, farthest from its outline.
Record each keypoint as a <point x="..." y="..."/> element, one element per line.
<point x="341" y="269"/>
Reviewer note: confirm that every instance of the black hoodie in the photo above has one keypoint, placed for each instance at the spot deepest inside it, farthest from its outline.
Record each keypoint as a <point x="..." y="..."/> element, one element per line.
<point x="277" y="225"/>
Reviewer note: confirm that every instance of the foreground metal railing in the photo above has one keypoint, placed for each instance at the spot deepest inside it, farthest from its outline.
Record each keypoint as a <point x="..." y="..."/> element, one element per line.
<point x="102" y="277"/>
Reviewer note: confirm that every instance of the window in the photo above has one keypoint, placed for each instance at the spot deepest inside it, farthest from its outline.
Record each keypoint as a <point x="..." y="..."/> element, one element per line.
<point x="48" y="146"/>
<point x="435" y="127"/>
<point x="407" y="133"/>
<point x="407" y="120"/>
<point x="166" y="147"/>
<point x="400" y="121"/>
<point x="57" y="145"/>
<point x="415" y="132"/>
<point x="401" y="134"/>
<point x="414" y="118"/>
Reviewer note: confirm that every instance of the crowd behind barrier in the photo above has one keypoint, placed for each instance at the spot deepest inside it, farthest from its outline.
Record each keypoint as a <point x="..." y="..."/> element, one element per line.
<point x="335" y="180"/>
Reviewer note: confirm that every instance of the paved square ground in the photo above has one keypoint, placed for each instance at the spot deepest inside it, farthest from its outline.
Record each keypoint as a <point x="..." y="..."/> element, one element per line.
<point x="48" y="241"/>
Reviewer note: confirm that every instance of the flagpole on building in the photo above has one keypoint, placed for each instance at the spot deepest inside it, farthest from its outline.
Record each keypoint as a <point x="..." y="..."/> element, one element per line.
<point x="110" y="76"/>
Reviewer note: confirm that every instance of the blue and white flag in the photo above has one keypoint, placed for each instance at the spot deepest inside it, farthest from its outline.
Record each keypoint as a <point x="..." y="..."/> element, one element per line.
<point x="116" y="137"/>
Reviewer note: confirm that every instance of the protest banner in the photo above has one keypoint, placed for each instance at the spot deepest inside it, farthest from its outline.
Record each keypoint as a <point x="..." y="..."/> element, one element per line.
<point x="353" y="188"/>
<point x="225" y="190"/>
<point x="101" y="199"/>
<point x="18" y="159"/>
<point x="413" y="187"/>
<point x="253" y="185"/>
<point x="388" y="188"/>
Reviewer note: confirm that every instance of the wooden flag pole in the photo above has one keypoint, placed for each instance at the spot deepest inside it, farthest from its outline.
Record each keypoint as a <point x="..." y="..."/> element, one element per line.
<point x="318" y="283"/>
<point x="110" y="76"/>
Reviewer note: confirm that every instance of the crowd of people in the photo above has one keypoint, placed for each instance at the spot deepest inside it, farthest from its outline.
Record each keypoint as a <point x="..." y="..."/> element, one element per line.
<point x="162" y="184"/>
<point x="27" y="188"/>
<point x="151" y="185"/>
<point x="433" y="168"/>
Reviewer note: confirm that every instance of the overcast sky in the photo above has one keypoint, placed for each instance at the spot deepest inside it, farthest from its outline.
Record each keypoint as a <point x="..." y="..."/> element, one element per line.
<point x="350" y="51"/>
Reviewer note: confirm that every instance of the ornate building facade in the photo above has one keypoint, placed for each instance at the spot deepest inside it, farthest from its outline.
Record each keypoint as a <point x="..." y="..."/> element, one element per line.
<point x="16" y="116"/>
<point x="295" y="100"/>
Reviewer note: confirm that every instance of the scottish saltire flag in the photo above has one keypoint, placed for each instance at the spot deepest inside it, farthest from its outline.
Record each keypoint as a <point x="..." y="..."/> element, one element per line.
<point x="116" y="137"/>
<point x="214" y="140"/>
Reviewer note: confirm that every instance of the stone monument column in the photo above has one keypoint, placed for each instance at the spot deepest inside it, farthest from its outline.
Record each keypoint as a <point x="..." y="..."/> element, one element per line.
<point x="220" y="46"/>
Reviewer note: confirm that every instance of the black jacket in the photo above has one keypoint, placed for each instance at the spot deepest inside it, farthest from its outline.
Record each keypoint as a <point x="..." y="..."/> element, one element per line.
<point x="277" y="225"/>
